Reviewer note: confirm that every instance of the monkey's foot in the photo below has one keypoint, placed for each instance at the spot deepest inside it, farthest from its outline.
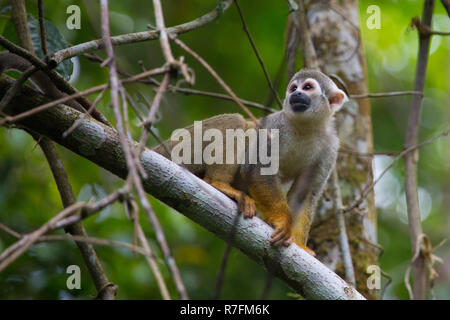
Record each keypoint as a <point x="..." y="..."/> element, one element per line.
<point x="281" y="236"/>
<point x="311" y="252"/>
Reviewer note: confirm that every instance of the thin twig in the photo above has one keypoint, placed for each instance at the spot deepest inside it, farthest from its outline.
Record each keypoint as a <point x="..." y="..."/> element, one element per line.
<point x="10" y="231"/>
<point x="7" y="257"/>
<point x="147" y="123"/>
<point x="20" y="20"/>
<point x="425" y="30"/>
<point x="57" y="222"/>
<point x="64" y="99"/>
<point x="186" y="91"/>
<point x="411" y="159"/>
<point x="251" y="104"/>
<point x="343" y="238"/>
<point x="129" y="156"/>
<point x="78" y="122"/>
<point x="369" y="154"/>
<point x="141" y="118"/>
<point x="163" y="38"/>
<point x="300" y="21"/>
<point x="221" y="274"/>
<point x="93" y="45"/>
<point x="258" y="56"/>
<point x="292" y="43"/>
<point x="90" y="209"/>
<point x="126" y="121"/>
<point x="106" y="290"/>
<point x="369" y="188"/>
<point x="385" y="94"/>
<point x="42" y="29"/>
<point x="156" y="101"/>
<point x="132" y="211"/>
<point x="17" y="86"/>
<point x="215" y="75"/>
<point x="61" y="86"/>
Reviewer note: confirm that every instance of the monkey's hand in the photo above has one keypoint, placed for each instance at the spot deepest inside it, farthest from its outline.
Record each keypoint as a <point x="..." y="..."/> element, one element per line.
<point x="246" y="205"/>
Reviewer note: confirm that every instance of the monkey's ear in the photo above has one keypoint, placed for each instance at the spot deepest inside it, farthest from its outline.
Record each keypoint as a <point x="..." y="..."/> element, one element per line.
<point x="337" y="99"/>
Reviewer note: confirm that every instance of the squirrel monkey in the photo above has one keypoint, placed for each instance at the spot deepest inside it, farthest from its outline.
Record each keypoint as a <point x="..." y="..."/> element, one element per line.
<point x="307" y="147"/>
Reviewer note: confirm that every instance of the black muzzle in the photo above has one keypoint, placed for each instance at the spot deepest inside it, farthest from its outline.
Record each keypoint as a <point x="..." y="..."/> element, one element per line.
<point x="300" y="101"/>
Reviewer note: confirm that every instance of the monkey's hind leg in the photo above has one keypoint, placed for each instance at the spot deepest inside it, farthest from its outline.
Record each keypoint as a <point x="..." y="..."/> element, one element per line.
<point x="271" y="201"/>
<point x="246" y="205"/>
<point x="301" y="226"/>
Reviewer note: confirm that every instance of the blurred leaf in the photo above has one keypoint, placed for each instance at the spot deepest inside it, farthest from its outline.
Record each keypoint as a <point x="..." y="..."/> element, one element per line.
<point x="5" y="9"/>
<point x="55" y="42"/>
<point x="95" y="193"/>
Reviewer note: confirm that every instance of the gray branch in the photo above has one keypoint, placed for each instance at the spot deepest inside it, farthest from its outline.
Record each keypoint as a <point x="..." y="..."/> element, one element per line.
<point x="184" y="192"/>
<point x="93" y="45"/>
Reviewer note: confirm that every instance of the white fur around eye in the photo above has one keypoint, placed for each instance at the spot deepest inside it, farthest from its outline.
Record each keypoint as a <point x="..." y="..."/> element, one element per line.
<point x="316" y="90"/>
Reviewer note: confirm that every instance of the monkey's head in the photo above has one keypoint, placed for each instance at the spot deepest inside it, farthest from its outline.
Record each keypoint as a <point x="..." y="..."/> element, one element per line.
<point x="312" y="96"/>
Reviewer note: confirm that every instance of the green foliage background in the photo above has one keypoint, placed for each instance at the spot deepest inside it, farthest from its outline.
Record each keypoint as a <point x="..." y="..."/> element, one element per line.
<point x="29" y="198"/>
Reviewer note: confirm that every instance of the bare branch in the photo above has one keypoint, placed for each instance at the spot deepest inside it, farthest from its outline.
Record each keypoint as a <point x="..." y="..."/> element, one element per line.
<point x="90" y="46"/>
<point x="79" y="94"/>
<point x="106" y="290"/>
<point x="186" y="91"/>
<point x="57" y="86"/>
<point x="411" y="159"/>
<point x="13" y="252"/>
<point x="343" y="238"/>
<point x="215" y="75"/>
<point x="16" y="88"/>
<point x="301" y="23"/>
<point x="258" y="56"/>
<point x="163" y="38"/>
<point x="369" y="188"/>
<point x="385" y="94"/>
<point x="130" y="156"/>
<point x="132" y="211"/>
<point x="42" y="29"/>
<point x="425" y="30"/>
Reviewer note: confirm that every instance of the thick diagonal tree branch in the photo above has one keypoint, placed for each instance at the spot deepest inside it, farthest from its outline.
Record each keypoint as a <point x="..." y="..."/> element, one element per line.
<point x="184" y="192"/>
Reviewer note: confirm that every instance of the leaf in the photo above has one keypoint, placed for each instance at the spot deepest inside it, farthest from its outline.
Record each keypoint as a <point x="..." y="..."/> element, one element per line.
<point x="293" y="6"/>
<point x="55" y="42"/>
<point x="86" y="193"/>
<point x="101" y="194"/>
<point x="95" y="193"/>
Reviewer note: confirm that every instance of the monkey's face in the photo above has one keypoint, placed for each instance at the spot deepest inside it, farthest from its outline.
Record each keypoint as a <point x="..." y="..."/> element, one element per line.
<point x="312" y="98"/>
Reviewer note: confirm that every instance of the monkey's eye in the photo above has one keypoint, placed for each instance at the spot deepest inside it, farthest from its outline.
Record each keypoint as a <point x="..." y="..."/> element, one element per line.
<point x="307" y="86"/>
<point x="293" y="88"/>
